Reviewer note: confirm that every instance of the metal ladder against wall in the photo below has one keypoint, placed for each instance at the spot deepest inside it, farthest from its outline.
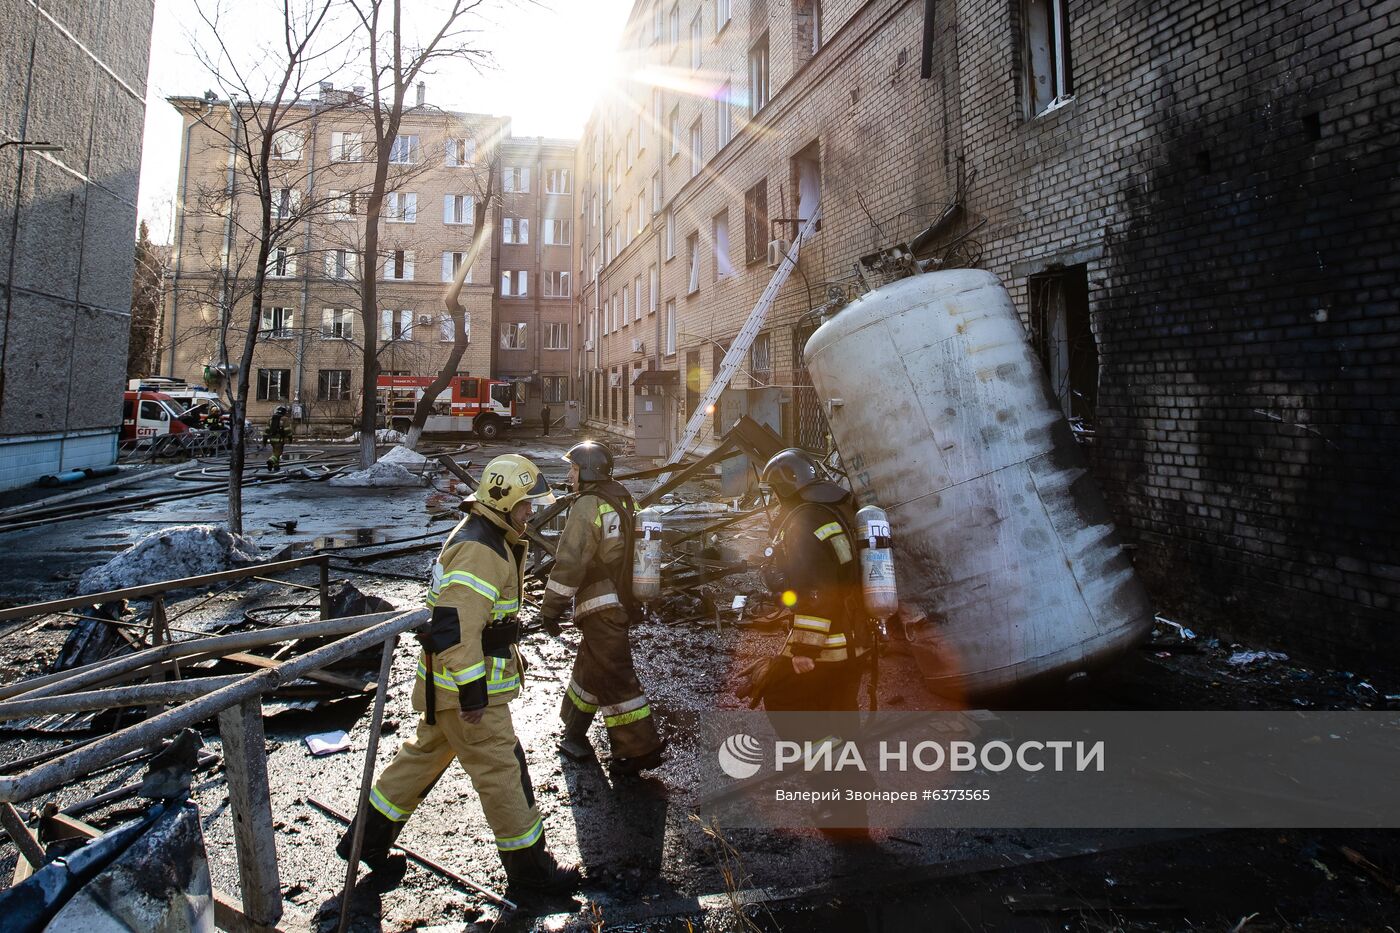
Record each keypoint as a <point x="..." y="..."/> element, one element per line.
<point x="740" y="348"/>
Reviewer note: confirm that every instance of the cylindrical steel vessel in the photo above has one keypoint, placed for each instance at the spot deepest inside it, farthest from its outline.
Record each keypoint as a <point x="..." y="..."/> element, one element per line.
<point x="944" y="418"/>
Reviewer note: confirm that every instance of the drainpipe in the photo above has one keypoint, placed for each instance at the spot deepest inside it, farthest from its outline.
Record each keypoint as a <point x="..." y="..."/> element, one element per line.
<point x="306" y="323"/>
<point x="180" y="234"/>
<point x="227" y="311"/>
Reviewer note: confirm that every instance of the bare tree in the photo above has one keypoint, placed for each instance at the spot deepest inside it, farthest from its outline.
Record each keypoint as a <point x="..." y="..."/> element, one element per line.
<point x="147" y="302"/>
<point x="395" y="62"/>
<point x="270" y="102"/>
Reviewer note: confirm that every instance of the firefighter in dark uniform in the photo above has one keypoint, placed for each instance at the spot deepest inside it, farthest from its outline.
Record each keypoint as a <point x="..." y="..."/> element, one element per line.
<point x="279" y="431"/>
<point x="469" y="671"/>
<point x="814" y="571"/>
<point x="593" y="569"/>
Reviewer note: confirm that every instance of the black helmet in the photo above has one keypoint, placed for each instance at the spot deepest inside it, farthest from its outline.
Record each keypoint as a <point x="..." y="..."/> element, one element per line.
<point x="790" y="471"/>
<point x="594" y="461"/>
<point x="282" y="410"/>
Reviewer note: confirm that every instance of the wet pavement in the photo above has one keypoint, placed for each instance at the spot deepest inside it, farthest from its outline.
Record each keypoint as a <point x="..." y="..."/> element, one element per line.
<point x="649" y="862"/>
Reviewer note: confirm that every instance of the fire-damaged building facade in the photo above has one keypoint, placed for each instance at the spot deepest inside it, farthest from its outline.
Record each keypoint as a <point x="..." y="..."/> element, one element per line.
<point x="1192" y="205"/>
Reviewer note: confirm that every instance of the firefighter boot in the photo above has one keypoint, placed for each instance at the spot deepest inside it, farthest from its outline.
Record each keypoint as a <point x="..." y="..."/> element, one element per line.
<point x="574" y="743"/>
<point x="386" y="869"/>
<point x="628" y="767"/>
<point x="534" y="872"/>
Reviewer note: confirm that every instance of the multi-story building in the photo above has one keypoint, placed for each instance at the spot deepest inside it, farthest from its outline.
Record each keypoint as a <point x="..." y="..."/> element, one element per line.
<point x="70" y="157"/>
<point x="535" y="225"/>
<point x="1192" y="205"/>
<point x="311" y="339"/>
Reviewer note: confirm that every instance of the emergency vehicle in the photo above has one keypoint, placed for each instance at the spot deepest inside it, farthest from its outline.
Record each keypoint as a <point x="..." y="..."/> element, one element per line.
<point x="184" y="395"/>
<point x="148" y="415"/>
<point x="485" y="407"/>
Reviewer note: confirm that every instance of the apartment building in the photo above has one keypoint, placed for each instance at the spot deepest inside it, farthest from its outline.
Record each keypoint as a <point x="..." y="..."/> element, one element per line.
<point x="535" y="257"/>
<point x="310" y="348"/>
<point x="1191" y="204"/>
<point x="70" y="157"/>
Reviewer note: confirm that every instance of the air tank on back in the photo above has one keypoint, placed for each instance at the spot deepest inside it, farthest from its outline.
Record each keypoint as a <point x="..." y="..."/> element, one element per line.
<point x="944" y="418"/>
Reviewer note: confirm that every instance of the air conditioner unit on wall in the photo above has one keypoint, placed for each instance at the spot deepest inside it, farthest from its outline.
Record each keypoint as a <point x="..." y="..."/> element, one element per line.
<point x="638" y="346"/>
<point x="614" y="380"/>
<point x="777" y="250"/>
<point x="424" y="320"/>
<point x="588" y="346"/>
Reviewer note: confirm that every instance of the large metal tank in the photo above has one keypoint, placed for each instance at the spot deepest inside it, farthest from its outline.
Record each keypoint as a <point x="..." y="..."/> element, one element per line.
<point x="1003" y="541"/>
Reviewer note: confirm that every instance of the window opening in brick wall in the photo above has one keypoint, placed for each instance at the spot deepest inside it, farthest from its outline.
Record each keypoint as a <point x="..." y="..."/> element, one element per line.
<point x="333" y="385"/>
<point x="806" y="30"/>
<point x="758" y="76"/>
<point x="807" y="181"/>
<point x="273" y="384"/>
<point x="756" y="222"/>
<point x="1064" y="340"/>
<point x="1047" y="54"/>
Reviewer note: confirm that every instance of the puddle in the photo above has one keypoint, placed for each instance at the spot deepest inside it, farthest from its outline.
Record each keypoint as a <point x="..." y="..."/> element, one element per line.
<point x="353" y="537"/>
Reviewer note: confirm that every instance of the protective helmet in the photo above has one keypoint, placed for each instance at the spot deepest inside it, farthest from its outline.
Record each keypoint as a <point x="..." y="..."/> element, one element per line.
<point x="507" y="480"/>
<point x="790" y="471"/>
<point x="594" y="461"/>
<point x="282" y="410"/>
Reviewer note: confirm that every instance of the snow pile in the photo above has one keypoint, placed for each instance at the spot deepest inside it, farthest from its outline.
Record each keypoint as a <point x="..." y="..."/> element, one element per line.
<point x="380" y="474"/>
<point x="382" y="436"/>
<point x="404" y="455"/>
<point x="182" y="551"/>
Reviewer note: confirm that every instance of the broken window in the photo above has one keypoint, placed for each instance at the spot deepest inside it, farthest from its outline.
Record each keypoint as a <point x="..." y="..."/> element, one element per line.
<point x="1047" y="60"/>
<point x="1063" y="337"/>
<point x="758" y="75"/>
<point x="513" y="336"/>
<point x="333" y="385"/>
<point x="337" y="324"/>
<point x="277" y="323"/>
<point x="395" y="325"/>
<point x="761" y="360"/>
<point x="806" y="30"/>
<point x="273" y="384"/>
<point x="807" y="181"/>
<point x="724" y="267"/>
<point x="756" y="222"/>
<point x="697" y="149"/>
<point x="692" y="251"/>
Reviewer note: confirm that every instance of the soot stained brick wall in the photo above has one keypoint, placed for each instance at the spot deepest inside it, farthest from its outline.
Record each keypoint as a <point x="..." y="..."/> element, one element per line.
<point x="1227" y="170"/>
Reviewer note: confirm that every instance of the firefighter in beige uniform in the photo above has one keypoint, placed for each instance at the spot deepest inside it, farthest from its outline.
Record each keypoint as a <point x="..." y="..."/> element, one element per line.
<point x="593" y="568"/>
<point x="469" y="652"/>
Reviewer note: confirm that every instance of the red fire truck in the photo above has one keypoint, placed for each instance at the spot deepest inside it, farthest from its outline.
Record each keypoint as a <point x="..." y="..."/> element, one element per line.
<point x="485" y="407"/>
<point x="148" y="415"/>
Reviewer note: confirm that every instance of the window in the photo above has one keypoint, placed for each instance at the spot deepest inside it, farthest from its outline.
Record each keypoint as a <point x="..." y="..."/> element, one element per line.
<point x="724" y="119"/>
<point x="555" y="389"/>
<point x="558" y="181"/>
<point x="658" y="114"/>
<point x="756" y="222"/>
<point x="447" y="333"/>
<point x="761" y="360"/>
<point x="697" y="149"/>
<point x="404" y="150"/>
<point x="288" y="146"/>
<point x="460" y="151"/>
<point x="675" y="131"/>
<point x="333" y="385"/>
<point x="515" y="230"/>
<point x="692" y="251"/>
<point x="671" y="327"/>
<point x="627" y="228"/>
<point x="281" y="264"/>
<point x="395" y="325"/>
<point x="277" y="323"/>
<point x="631" y="149"/>
<point x="807" y="182"/>
<point x="1046" y="55"/>
<point x="697" y="36"/>
<point x="724" y="267"/>
<point x="656" y="22"/>
<point x="558" y="232"/>
<point x="675" y="26"/>
<point x="637" y="299"/>
<point x="347" y="147"/>
<point x="400" y="208"/>
<point x="515" y="283"/>
<point x="656" y="193"/>
<point x="607" y="313"/>
<point x="273" y="384"/>
<point x="655" y="291"/>
<point x="513" y="336"/>
<point x="758" y="76"/>
<point x="516" y="179"/>
<point x="451" y="262"/>
<point x="458" y="209"/>
<point x="1063" y="336"/>
<point x="337" y="324"/>
<point x="724" y="11"/>
<point x="342" y="264"/>
<point x="398" y="265"/>
<point x="556" y="284"/>
<point x="806" y="30"/>
<point x="623" y="319"/>
<point x="285" y="202"/>
<point x="670" y="234"/>
<point x="641" y="212"/>
<point x="556" y="336"/>
<point x="345" y="205"/>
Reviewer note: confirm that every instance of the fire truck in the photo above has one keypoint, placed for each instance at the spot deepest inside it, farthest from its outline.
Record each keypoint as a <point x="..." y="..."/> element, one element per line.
<point x="484" y="407"/>
<point x="148" y="415"/>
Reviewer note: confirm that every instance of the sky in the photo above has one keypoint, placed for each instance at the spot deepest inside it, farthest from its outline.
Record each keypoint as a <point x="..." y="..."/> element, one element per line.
<point x="552" y="60"/>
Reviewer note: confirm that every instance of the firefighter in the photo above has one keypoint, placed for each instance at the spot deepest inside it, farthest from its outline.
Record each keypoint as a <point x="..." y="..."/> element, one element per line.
<point x="593" y="568"/>
<point x="279" y="431"/>
<point x="469" y="670"/>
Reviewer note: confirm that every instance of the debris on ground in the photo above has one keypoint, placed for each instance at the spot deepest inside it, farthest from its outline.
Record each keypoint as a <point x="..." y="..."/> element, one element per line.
<point x="1246" y="658"/>
<point x="171" y="554"/>
<point x="328" y="743"/>
<point x="382" y="436"/>
<point x="379" y="475"/>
